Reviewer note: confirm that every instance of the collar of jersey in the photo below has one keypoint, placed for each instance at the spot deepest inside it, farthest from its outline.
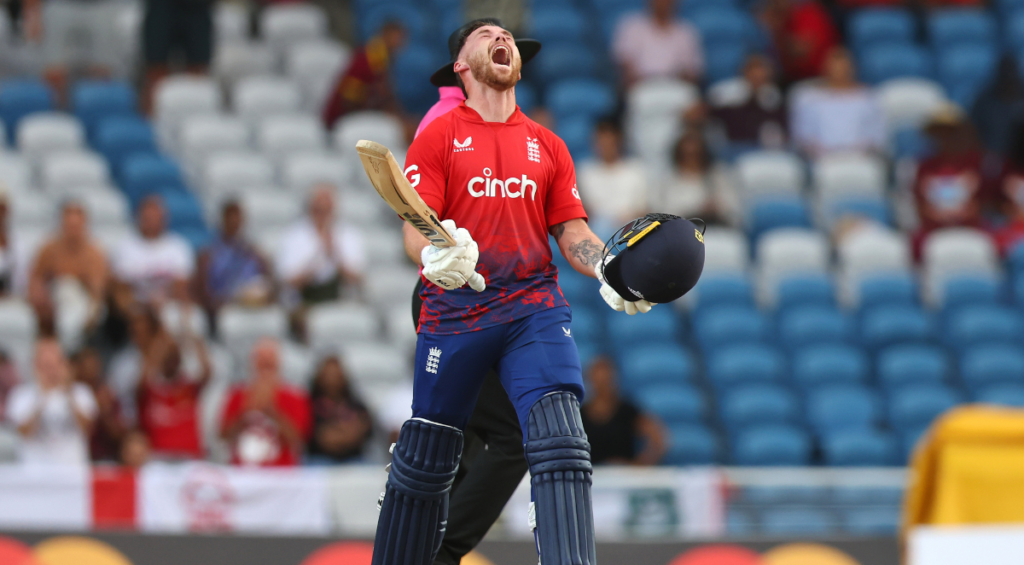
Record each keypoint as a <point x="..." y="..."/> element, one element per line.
<point x="471" y="115"/>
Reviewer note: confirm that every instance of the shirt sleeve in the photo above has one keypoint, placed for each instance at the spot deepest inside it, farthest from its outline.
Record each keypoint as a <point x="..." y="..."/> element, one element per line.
<point x="563" y="198"/>
<point x="186" y="259"/>
<point x="84" y="400"/>
<point x="426" y="165"/>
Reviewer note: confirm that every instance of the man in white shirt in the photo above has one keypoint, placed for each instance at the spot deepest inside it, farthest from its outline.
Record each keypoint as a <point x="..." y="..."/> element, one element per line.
<point x="318" y="256"/>
<point x="155" y="265"/>
<point x="614" y="188"/>
<point x="658" y="45"/>
<point x="54" y="415"/>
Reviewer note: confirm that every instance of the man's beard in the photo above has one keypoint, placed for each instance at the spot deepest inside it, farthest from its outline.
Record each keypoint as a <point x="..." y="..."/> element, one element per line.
<point x="480" y="67"/>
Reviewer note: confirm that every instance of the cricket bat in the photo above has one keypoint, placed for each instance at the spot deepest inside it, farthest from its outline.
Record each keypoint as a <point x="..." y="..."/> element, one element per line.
<point x="389" y="180"/>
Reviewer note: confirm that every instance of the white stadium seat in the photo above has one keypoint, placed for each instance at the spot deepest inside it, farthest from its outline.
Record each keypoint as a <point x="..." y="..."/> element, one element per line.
<point x="376" y="363"/>
<point x="725" y="250"/>
<point x="654" y="111"/>
<point x="230" y="21"/>
<point x="236" y="170"/>
<point x="849" y="174"/>
<point x="283" y="24"/>
<point x="15" y="172"/>
<point x="179" y="97"/>
<point x="378" y="126"/>
<point x="787" y="252"/>
<point x="300" y="171"/>
<point x="908" y="102"/>
<point x="770" y="173"/>
<point x="297" y="364"/>
<point x="256" y="98"/>
<point x="384" y="245"/>
<point x="173" y="316"/>
<point x="110" y="236"/>
<point x="66" y="169"/>
<point x="106" y="206"/>
<point x="18" y="330"/>
<point x="269" y="210"/>
<point x="48" y="132"/>
<point x="335" y="324"/>
<point x="236" y="60"/>
<point x="279" y="136"/>
<point x="952" y="252"/>
<point x="398" y="323"/>
<point x="870" y="252"/>
<point x="316" y="66"/>
<point x="203" y="136"/>
<point x="241" y="327"/>
<point x="393" y="285"/>
<point x="33" y="209"/>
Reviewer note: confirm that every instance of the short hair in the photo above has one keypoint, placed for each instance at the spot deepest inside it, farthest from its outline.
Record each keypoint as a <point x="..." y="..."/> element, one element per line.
<point x="477" y="24"/>
<point x="608" y="125"/>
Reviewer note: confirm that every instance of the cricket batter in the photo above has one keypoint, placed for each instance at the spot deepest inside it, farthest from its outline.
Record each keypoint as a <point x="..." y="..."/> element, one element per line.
<point x="502" y="183"/>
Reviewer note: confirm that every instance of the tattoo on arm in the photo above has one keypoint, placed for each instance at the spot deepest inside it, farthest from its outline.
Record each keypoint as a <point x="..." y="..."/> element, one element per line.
<point x="557" y="230"/>
<point x="587" y="251"/>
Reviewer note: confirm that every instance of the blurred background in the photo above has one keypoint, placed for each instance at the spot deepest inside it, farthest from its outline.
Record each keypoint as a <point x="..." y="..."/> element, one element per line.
<point x="187" y="343"/>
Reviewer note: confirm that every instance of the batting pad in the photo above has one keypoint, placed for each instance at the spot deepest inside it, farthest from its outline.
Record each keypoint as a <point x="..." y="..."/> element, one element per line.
<point x="559" y="456"/>
<point x="414" y="512"/>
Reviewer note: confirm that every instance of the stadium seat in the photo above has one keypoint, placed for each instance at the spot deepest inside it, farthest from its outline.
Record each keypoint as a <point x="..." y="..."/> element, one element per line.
<point x="66" y="170"/>
<point x="724" y="60"/>
<point x="813" y="325"/>
<point x="905" y="365"/>
<point x="910" y="143"/>
<point x="914" y="407"/>
<point x="106" y="207"/>
<point x="880" y="25"/>
<point x="842" y="407"/>
<point x="411" y="70"/>
<point x="725" y="251"/>
<point x="300" y="172"/>
<point x="183" y="211"/>
<point x="774" y="445"/>
<point x="646" y="365"/>
<point x="720" y="25"/>
<point x="235" y="171"/>
<point x="654" y="110"/>
<point x="94" y="101"/>
<point x="180" y="96"/>
<point x="882" y="62"/>
<point x="256" y="98"/>
<point x="143" y="174"/>
<point x="965" y="69"/>
<point x="821" y="365"/>
<point x="580" y="97"/>
<point x="315" y="66"/>
<point x="790" y="522"/>
<point x="788" y="252"/>
<point x="331" y="325"/>
<point x="985" y="324"/>
<point x="757" y="404"/>
<point x="908" y="102"/>
<point x="872" y="252"/>
<point x="770" y="173"/>
<point x="881" y="290"/>
<point x="750" y="363"/>
<point x="566" y="61"/>
<point x="588" y="326"/>
<point x="15" y="172"/>
<point x="47" y="132"/>
<point x="415" y="21"/>
<point x="117" y="138"/>
<point x="987" y="365"/>
<point x="859" y="448"/>
<point x="1005" y="395"/>
<point x="383" y="128"/>
<point x="673" y="403"/>
<point x="848" y="175"/>
<point x="578" y="289"/>
<point x="18" y="330"/>
<point x="283" y="135"/>
<point x="1013" y="34"/>
<point x="806" y="290"/>
<point x="578" y="134"/>
<point x="966" y="290"/>
<point x="239" y="327"/>
<point x="953" y="27"/>
<point x="872" y="521"/>
<point x="882" y="326"/>
<point x="231" y="22"/>
<point x="660" y="325"/>
<point x="724" y="325"/>
<point x="767" y="214"/>
<point x="692" y="444"/>
<point x="284" y="24"/>
<point x="557" y="24"/>
<point x="32" y="214"/>
<point x="19" y="98"/>
<point x="237" y="60"/>
<point x="870" y="207"/>
<point x="723" y="289"/>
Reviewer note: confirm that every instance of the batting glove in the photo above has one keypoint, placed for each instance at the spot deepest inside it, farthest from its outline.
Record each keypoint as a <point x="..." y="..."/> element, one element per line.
<point x="452" y="267"/>
<point x="613" y="299"/>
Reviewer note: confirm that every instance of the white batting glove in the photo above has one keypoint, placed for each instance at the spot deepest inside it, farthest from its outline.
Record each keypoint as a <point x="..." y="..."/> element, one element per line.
<point x="613" y="299"/>
<point x="452" y="267"/>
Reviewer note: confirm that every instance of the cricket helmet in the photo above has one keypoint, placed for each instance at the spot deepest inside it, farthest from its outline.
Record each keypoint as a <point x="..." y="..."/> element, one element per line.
<point x="658" y="258"/>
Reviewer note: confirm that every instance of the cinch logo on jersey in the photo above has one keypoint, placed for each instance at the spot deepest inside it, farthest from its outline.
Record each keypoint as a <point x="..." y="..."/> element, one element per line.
<point x="512" y="187"/>
<point x="466" y="145"/>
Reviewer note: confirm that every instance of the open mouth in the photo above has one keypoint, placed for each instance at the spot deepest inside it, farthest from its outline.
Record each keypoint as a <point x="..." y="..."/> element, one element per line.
<point x="501" y="55"/>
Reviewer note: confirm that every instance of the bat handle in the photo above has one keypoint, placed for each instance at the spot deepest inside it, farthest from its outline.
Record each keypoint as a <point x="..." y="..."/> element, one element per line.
<point x="477" y="282"/>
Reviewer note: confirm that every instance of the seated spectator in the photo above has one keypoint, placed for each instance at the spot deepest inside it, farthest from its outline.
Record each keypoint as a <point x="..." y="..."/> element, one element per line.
<point x="803" y="34"/>
<point x="153" y="266"/>
<point x="614" y="425"/>
<point x="840" y="114"/>
<point x="231" y="270"/>
<point x="146" y="334"/>
<point x="169" y="399"/>
<point x="9" y="378"/>
<point x="697" y="186"/>
<point x="658" y="44"/>
<point x="999" y="108"/>
<point x="11" y="257"/>
<point x="68" y="282"/>
<point x="1010" y="194"/>
<point x="135" y="450"/>
<point x="365" y="84"/>
<point x="105" y="441"/>
<point x="341" y="423"/>
<point x="173" y="29"/>
<point x="751" y="111"/>
<point x="319" y="256"/>
<point x="614" y="187"/>
<point x="266" y="421"/>
<point x="54" y="415"/>
<point x="950" y="188"/>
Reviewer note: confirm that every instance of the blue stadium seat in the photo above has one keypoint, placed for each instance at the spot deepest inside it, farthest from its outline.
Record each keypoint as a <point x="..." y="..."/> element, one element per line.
<point x="588" y="324"/>
<point x="768" y="214"/>
<point x="577" y="132"/>
<point x="972" y="325"/>
<point x="526" y="96"/>
<point x="19" y="98"/>
<point x="197" y="236"/>
<point x="183" y="210"/>
<point x="910" y="143"/>
<point x="890" y="325"/>
<point x="690" y="7"/>
<point x="910" y="439"/>
<point x="589" y="352"/>
<point x="144" y="174"/>
<point x="724" y="325"/>
<point x="813" y="325"/>
<point x="914" y="407"/>
<point x="876" y="209"/>
<point x="692" y="444"/>
<point x="1014" y="31"/>
<point x="565" y="61"/>
<point x="969" y="291"/>
<point x="613" y="14"/>
<point x="673" y="403"/>
<point x="94" y="101"/>
<point x="821" y="365"/>
<point x="417" y="24"/>
<point x="772" y="446"/>
<point x="956" y="26"/>
<point x="868" y="26"/>
<point x="966" y="69"/>
<point x="724" y="60"/>
<point x="806" y="290"/>
<point x="902" y="365"/>
<point x="757" y="404"/>
<point x="789" y="522"/>
<point x="1015" y="258"/>
<point x="842" y="408"/>
<point x="578" y="289"/>
<point x="644" y="366"/>
<point x="660" y="325"/>
<point x="859" y="448"/>
<point x="985" y="365"/>
<point x="739" y="523"/>
<point x="1007" y="7"/>
<point x="875" y="522"/>
<point x="558" y="23"/>
<point x="117" y="138"/>
<point x="1006" y="395"/>
<point x="580" y="97"/>
<point x="885" y="290"/>
<point x="721" y="289"/>
<point x="881" y="62"/>
<point x="751" y="363"/>
<point x="411" y="70"/>
<point x="723" y="26"/>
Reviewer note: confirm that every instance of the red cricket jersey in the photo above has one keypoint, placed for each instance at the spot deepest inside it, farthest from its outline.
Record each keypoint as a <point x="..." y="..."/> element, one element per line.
<point x="168" y="415"/>
<point x="261" y="442"/>
<point x="506" y="183"/>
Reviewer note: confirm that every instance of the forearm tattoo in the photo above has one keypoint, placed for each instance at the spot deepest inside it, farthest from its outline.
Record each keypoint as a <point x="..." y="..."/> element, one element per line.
<point x="587" y="251"/>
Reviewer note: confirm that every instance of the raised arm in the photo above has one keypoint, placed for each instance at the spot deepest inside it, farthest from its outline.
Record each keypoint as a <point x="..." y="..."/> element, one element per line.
<point x="579" y="245"/>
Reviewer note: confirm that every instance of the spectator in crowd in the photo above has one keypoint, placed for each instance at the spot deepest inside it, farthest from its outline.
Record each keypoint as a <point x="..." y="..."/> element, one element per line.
<point x="697" y="186"/>
<point x="135" y="450"/>
<point x="319" y="256"/>
<point x="9" y="378"/>
<point x="153" y="266"/>
<point x="68" y="281"/>
<point x="803" y="34"/>
<point x="54" y="415"/>
<point x="105" y="441"/>
<point x="169" y="398"/>
<point x="614" y="425"/>
<point x="341" y="422"/>
<point x="1010" y="194"/>
<point x="999" y="108"/>
<point x="366" y="84"/>
<point x="840" y="114"/>
<point x="658" y="44"/>
<point x="173" y="29"/>
<point x="231" y="270"/>
<point x="146" y="334"/>
<point x="614" y="187"/>
<point x="266" y="421"/>
<point x="751" y="110"/>
<point x="10" y="256"/>
<point x="950" y="188"/>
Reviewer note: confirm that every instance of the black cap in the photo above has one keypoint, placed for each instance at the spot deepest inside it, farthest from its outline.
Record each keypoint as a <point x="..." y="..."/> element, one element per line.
<point x="445" y="76"/>
<point x="658" y="258"/>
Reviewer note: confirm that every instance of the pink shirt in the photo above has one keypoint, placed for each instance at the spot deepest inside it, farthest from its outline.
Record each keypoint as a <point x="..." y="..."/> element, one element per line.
<point x="655" y="52"/>
<point x="451" y="96"/>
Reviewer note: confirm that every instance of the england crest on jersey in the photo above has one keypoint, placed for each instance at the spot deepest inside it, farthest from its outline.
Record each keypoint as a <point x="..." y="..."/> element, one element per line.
<point x="533" y="149"/>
